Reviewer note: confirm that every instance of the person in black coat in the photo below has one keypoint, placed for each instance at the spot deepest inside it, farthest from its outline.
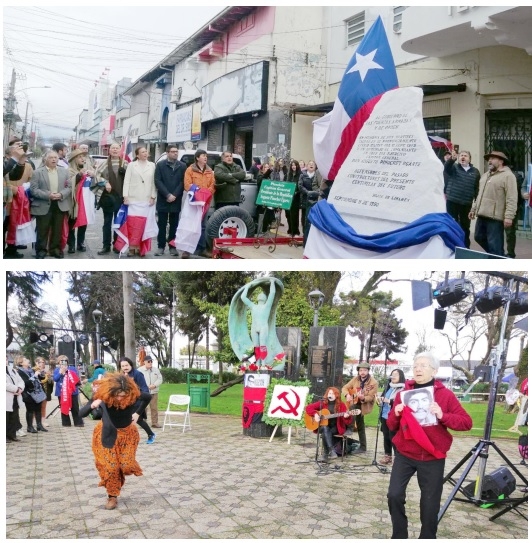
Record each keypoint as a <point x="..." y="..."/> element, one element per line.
<point x="169" y="181"/>
<point x="127" y="367"/>
<point x="461" y="189"/>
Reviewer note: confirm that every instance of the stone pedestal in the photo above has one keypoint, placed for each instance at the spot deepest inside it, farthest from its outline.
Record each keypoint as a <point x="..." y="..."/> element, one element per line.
<point x="261" y="430"/>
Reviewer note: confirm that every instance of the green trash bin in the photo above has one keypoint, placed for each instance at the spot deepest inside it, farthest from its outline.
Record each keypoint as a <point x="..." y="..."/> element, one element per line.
<point x="199" y="396"/>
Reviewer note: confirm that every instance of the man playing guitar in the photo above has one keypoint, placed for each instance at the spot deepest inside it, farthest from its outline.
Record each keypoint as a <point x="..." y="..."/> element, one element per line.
<point x="336" y="425"/>
<point x="360" y="393"/>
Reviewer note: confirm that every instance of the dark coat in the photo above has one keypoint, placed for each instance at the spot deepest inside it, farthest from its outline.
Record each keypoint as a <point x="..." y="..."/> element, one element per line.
<point x="227" y="181"/>
<point x="169" y="179"/>
<point x="309" y="188"/>
<point x="462" y="185"/>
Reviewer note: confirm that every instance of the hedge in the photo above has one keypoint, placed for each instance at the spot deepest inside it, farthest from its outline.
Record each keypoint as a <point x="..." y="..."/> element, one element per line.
<point x="173" y="375"/>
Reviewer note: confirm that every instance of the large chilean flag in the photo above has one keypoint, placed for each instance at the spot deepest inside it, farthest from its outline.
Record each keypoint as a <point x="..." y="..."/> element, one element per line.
<point x="85" y="199"/>
<point x="369" y="74"/>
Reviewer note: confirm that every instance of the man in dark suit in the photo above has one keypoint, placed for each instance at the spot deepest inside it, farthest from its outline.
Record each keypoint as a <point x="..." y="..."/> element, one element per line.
<point x="51" y="191"/>
<point x="169" y="175"/>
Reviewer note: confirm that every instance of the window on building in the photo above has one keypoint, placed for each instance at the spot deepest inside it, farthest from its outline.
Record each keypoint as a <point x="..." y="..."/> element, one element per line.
<point x="398" y="18"/>
<point x="441" y="127"/>
<point x="355" y="28"/>
<point x="246" y="23"/>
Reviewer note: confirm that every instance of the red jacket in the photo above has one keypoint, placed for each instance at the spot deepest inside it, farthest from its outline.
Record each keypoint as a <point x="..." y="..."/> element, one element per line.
<point x="342" y="422"/>
<point x="454" y="417"/>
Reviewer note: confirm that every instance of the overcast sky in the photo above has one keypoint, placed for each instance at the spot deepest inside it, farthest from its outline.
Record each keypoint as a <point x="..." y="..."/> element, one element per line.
<point x="67" y="48"/>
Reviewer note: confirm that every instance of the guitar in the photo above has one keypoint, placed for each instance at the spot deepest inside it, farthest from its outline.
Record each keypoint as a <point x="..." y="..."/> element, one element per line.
<point x="325" y="415"/>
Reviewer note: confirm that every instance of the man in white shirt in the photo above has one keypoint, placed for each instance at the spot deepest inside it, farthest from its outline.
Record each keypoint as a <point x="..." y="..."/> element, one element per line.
<point x="154" y="380"/>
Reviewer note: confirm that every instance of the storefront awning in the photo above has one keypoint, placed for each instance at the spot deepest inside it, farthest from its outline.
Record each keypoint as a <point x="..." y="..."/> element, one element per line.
<point x="428" y="90"/>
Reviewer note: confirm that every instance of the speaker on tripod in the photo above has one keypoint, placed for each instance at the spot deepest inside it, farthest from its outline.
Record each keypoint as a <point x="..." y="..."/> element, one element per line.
<point x="498" y="483"/>
<point x="66" y="349"/>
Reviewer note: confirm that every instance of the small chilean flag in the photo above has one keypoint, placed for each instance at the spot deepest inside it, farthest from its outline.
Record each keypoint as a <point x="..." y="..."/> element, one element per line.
<point x="135" y="225"/>
<point x="369" y="74"/>
<point x="85" y="199"/>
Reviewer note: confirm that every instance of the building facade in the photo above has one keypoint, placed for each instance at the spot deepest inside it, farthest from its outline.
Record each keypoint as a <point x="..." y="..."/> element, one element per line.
<point x="473" y="63"/>
<point x="234" y="82"/>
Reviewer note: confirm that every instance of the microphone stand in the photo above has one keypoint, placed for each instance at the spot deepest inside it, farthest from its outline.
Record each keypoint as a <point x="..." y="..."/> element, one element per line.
<point x="382" y="469"/>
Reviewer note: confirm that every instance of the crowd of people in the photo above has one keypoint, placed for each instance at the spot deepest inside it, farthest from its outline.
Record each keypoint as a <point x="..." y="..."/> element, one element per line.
<point x="496" y="200"/>
<point x="415" y="431"/>
<point x="126" y="395"/>
<point x="65" y="191"/>
<point x="62" y="209"/>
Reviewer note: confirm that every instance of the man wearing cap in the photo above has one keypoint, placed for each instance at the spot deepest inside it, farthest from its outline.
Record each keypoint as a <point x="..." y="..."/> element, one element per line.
<point x="360" y="394"/>
<point x="154" y="380"/>
<point x="496" y="204"/>
<point x="76" y="172"/>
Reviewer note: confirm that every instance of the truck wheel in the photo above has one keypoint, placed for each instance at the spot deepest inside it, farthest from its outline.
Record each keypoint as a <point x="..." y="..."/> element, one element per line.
<point x="228" y="222"/>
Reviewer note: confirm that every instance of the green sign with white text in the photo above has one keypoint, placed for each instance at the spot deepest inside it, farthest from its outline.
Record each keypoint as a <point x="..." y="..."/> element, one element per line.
<point x="276" y="194"/>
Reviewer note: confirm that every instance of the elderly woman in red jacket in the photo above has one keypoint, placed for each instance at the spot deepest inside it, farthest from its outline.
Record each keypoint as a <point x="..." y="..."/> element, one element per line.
<point x="336" y="425"/>
<point x="422" y="449"/>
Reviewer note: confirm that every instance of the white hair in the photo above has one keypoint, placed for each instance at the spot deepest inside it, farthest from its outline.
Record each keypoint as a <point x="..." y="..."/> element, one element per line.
<point x="433" y="361"/>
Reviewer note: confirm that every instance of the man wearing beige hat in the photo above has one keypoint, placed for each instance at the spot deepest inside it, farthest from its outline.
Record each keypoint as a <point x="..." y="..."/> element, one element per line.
<point x="496" y="204"/>
<point x="154" y="380"/>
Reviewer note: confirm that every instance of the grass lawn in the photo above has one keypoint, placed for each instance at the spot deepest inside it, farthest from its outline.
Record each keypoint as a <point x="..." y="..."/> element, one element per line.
<point x="229" y="402"/>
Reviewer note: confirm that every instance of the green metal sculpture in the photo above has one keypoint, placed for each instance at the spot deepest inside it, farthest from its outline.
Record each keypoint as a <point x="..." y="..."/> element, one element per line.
<point x="261" y="340"/>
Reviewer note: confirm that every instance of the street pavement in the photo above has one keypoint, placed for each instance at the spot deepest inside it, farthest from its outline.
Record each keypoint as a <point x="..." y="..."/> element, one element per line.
<point x="94" y="244"/>
<point x="215" y="483"/>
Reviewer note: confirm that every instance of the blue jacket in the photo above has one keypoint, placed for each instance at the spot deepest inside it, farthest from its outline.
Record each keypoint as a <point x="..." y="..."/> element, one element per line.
<point x="58" y="378"/>
<point x="137" y="376"/>
<point x="100" y="370"/>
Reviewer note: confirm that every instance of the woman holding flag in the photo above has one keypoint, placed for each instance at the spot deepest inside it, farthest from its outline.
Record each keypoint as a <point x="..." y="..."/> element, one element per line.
<point x="112" y="173"/>
<point x="139" y="196"/>
<point x="82" y="204"/>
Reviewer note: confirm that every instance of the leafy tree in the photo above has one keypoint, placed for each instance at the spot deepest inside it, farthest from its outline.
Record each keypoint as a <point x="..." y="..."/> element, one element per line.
<point x="369" y="316"/>
<point x="26" y="289"/>
<point x="98" y="290"/>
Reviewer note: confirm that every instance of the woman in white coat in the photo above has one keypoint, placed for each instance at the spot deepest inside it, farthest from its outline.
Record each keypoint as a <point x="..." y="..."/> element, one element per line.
<point x="14" y="388"/>
<point x="139" y="187"/>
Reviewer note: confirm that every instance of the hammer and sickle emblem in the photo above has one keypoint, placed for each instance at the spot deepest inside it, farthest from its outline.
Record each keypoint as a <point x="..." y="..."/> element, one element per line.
<point x="290" y="407"/>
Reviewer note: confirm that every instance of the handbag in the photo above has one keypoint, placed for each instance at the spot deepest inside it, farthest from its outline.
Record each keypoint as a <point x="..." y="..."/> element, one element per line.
<point x="37" y="394"/>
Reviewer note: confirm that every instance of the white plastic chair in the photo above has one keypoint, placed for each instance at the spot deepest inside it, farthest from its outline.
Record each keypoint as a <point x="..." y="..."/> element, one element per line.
<point x="182" y="401"/>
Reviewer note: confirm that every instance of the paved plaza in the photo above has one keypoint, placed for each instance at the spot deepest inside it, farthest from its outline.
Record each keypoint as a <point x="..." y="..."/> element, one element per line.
<point x="214" y="482"/>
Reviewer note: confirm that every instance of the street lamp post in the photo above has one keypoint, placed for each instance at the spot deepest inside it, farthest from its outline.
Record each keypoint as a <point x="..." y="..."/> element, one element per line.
<point x="316" y="299"/>
<point x="97" y="318"/>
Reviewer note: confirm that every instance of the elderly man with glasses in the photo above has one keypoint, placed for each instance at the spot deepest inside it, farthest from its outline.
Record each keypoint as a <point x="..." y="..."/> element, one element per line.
<point x="422" y="449"/>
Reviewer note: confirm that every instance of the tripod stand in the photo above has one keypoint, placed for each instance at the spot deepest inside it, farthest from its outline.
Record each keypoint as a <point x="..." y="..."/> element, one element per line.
<point x="382" y="469"/>
<point x="481" y="449"/>
<point x="52" y="413"/>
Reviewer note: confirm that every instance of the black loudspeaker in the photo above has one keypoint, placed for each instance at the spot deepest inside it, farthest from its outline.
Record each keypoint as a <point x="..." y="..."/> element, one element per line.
<point x="66" y="349"/>
<point x="497" y="483"/>
<point x="440" y="316"/>
<point x="484" y="372"/>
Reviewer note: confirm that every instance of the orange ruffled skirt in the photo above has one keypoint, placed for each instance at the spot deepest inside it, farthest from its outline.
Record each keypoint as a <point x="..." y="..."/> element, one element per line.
<point x="114" y="464"/>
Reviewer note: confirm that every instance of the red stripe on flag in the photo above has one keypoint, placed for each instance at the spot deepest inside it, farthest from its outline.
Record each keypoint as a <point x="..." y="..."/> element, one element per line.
<point x="350" y="134"/>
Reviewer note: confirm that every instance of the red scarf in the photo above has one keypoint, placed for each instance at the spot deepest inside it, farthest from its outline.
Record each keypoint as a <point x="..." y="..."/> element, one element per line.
<point x="413" y="430"/>
<point x="67" y="388"/>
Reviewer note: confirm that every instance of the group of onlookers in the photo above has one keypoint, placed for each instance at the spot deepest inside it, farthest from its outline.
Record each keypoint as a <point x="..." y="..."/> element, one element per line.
<point x="495" y="199"/>
<point x="310" y="187"/>
<point x="31" y="387"/>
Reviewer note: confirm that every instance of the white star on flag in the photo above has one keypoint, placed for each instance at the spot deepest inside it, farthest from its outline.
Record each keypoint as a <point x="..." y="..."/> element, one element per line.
<point x="364" y="64"/>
